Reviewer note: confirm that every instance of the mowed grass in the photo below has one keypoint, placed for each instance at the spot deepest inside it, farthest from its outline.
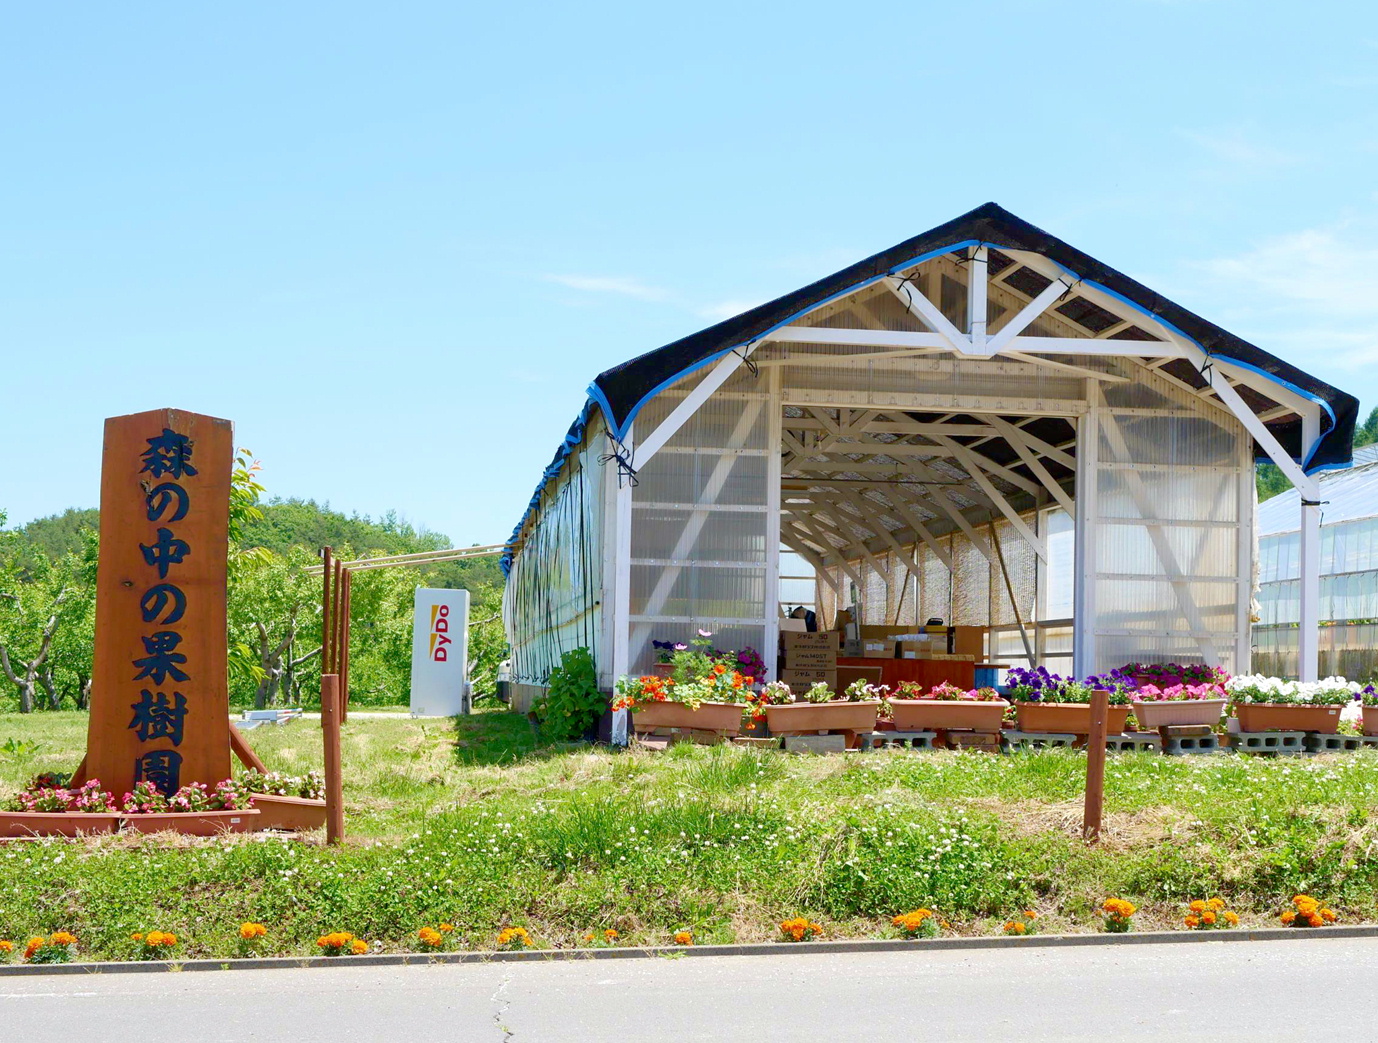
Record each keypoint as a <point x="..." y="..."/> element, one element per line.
<point x="477" y="824"/>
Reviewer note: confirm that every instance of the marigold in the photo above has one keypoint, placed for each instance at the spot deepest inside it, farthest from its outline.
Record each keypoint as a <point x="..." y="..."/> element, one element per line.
<point x="1216" y="904"/>
<point x="1117" y="914"/>
<point x="800" y="929"/>
<point x="610" y="935"/>
<point x="1208" y="918"/>
<point x="917" y="924"/>
<point x="1197" y="906"/>
<point x="684" y="938"/>
<point x="1192" y="921"/>
<point x="1030" y="914"/>
<point x="358" y="946"/>
<point x="63" y="938"/>
<point x="338" y="942"/>
<point x="1231" y="918"/>
<point x="1016" y="927"/>
<point x="514" y="938"/>
<point x="6" y="946"/>
<point x="445" y="928"/>
<point x="430" y="936"/>
<point x="1288" y="917"/>
<point x="34" y="944"/>
<point x="250" y="931"/>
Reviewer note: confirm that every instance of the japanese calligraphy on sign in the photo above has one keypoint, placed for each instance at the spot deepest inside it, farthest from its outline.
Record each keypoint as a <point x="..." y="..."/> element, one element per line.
<point x="159" y="698"/>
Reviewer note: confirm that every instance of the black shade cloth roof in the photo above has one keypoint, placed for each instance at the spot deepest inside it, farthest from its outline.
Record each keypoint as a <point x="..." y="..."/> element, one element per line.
<point x="622" y="390"/>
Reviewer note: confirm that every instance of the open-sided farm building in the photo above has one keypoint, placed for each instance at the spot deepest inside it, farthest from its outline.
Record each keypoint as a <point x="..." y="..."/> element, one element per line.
<point x="981" y="424"/>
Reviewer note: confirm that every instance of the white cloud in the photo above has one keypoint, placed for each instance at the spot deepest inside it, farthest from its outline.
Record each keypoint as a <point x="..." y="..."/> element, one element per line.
<point x="725" y="309"/>
<point x="611" y="284"/>
<point x="1238" y="146"/>
<point x="1314" y="291"/>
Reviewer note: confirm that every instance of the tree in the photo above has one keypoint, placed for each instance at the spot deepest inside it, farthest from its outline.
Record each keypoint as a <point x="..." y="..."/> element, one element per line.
<point x="36" y="601"/>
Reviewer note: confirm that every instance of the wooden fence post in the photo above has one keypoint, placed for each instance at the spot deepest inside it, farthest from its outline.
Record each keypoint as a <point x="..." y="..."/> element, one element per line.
<point x="334" y="781"/>
<point x="1095" y="766"/>
<point x="344" y="646"/>
<point x="327" y="644"/>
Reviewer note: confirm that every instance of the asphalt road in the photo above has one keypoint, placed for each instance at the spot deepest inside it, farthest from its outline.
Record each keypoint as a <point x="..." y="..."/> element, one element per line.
<point x="1274" y="991"/>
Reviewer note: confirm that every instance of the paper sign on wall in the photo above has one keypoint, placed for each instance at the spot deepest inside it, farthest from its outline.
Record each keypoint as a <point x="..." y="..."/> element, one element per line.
<point x="439" y="652"/>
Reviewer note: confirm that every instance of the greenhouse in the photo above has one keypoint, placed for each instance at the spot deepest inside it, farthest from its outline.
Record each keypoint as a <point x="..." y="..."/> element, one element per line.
<point x="1348" y="637"/>
<point x="980" y="427"/>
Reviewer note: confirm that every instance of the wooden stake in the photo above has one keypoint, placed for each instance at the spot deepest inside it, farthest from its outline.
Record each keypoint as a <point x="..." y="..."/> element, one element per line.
<point x="344" y="647"/>
<point x="327" y="666"/>
<point x="245" y="753"/>
<point x="334" y="782"/>
<point x="1095" y="766"/>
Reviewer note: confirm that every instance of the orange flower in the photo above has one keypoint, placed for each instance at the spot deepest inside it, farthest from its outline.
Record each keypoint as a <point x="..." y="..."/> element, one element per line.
<point x="445" y="928"/>
<point x="1328" y="915"/>
<point x="1029" y="914"/>
<point x="1231" y="918"/>
<point x="514" y="938"/>
<point x="1216" y="904"/>
<point x="358" y="946"/>
<point x="32" y="947"/>
<point x="63" y="938"/>
<point x="1208" y="918"/>
<point x="1198" y="906"/>
<point x="610" y="935"/>
<point x="1016" y="927"/>
<point x="430" y="936"/>
<point x="1192" y="921"/>
<point x="1288" y="917"/>
<point x="136" y="937"/>
<point x="250" y="931"/>
<point x="6" y="947"/>
<point x="719" y="669"/>
<point x="684" y="938"/>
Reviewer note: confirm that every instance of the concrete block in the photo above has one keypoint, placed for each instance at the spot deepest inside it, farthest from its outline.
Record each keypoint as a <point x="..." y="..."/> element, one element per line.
<point x="1287" y="743"/>
<point x="901" y="740"/>
<point x="1037" y="740"/>
<point x="1184" y="745"/>
<point x="1321" y="742"/>
<point x="815" y="743"/>
<point x="1133" y="741"/>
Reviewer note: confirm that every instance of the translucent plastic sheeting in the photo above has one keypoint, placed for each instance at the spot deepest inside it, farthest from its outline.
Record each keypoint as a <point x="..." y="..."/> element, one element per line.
<point x="1172" y="496"/>
<point x="700" y="528"/>
<point x="1346" y="650"/>
<point x="551" y="603"/>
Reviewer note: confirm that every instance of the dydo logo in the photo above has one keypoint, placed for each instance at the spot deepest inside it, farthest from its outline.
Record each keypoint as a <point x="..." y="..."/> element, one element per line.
<point x="440" y="633"/>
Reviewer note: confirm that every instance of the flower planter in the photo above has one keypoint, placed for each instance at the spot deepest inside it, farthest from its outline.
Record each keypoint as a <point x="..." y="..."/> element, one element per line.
<point x="1067" y="717"/>
<point x="55" y="823"/>
<point x="709" y="717"/>
<point x="194" y="823"/>
<point x="1268" y="717"/>
<point x="662" y="669"/>
<point x="802" y="718"/>
<point x="1160" y="713"/>
<point x="929" y="714"/>
<point x="294" y="813"/>
<point x="1371" y="720"/>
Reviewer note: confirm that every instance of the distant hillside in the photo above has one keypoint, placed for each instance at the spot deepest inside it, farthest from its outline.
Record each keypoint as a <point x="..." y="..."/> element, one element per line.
<point x="296" y="523"/>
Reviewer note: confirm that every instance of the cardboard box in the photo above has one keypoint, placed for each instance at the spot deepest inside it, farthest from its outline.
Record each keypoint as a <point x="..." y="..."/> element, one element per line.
<point x="969" y="641"/>
<point x="873" y="649"/>
<point x="821" y="639"/>
<point x="799" y="680"/>
<point x="789" y="625"/>
<point x="811" y="659"/>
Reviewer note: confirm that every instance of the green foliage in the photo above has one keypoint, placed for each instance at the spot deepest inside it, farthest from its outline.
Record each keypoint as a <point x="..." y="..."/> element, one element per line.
<point x="1272" y="481"/>
<point x="476" y="823"/>
<point x="572" y="703"/>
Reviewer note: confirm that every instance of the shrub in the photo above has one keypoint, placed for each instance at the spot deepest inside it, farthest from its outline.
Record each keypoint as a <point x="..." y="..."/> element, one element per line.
<point x="573" y="703"/>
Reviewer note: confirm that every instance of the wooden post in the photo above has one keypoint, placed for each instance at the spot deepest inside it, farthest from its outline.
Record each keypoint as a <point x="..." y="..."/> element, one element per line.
<point x="1095" y="766"/>
<point x="344" y="646"/>
<point x="334" y="782"/>
<point x="327" y="667"/>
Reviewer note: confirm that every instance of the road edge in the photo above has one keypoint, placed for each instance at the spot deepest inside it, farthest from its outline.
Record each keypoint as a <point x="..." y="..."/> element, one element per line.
<point x="858" y="945"/>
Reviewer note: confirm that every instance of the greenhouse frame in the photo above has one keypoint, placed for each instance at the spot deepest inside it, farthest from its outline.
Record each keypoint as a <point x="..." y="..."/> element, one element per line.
<point x="982" y="425"/>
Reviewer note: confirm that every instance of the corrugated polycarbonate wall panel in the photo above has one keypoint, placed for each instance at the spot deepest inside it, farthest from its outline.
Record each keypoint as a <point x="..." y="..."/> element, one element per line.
<point x="552" y="601"/>
<point x="1169" y="503"/>
<point x="699" y="522"/>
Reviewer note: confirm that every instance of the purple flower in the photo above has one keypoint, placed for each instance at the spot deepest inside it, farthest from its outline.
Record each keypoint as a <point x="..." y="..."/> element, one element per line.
<point x="705" y="633"/>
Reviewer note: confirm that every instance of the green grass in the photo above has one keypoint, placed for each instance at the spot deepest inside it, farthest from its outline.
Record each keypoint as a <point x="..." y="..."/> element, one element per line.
<point x="478" y="824"/>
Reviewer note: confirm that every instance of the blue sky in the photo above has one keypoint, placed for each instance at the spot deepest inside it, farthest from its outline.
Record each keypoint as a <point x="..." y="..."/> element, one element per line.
<point x="395" y="242"/>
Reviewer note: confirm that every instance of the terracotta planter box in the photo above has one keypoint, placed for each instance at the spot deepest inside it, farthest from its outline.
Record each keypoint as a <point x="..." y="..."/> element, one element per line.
<point x="1269" y="717"/>
<point x="55" y="823"/>
<point x="1067" y="717"/>
<point x="194" y="823"/>
<point x="295" y="813"/>
<point x="802" y="718"/>
<point x="709" y="717"/>
<point x="1371" y="720"/>
<point x="1159" y="713"/>
<point x="929" y="714"/>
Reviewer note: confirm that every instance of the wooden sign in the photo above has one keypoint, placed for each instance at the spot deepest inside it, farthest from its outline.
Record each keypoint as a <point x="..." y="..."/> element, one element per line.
<point x="160" y="693"/>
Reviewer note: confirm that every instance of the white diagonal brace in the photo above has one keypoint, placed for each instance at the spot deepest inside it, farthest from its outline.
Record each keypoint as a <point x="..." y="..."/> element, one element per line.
<point x="688" y="406"/>
<point x="1021" y="320"/>
<point x="1034" y="464"/>
<point x="973" y="462"/>
<point x="925" y="310"/>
